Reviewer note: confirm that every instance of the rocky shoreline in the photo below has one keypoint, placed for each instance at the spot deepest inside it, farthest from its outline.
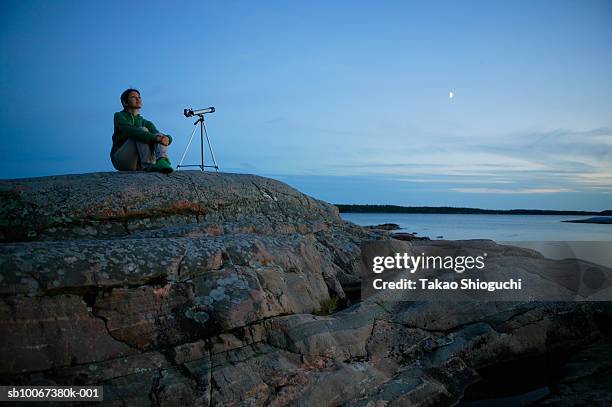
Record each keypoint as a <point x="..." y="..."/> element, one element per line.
<point x="228" y="289"/>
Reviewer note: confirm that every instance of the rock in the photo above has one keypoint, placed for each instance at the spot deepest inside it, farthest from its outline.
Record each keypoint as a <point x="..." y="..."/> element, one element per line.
<point x="408" y="237"/>
<point x="40" y="333"/>
<point x="585" y="377"/>
<point x="110" y="205"/>
<point x="202" y="289"/>
<point x="384" y="226"/>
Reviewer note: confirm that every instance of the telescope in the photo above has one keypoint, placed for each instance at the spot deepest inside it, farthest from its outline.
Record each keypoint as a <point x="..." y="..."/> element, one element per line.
<point x="198" y="112"/>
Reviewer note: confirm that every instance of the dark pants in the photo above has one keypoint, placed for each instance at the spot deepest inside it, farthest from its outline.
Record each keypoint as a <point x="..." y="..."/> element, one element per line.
<point x="135" y="155"/>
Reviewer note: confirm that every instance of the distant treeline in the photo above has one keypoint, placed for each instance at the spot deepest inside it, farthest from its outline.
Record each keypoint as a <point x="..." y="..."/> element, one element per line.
<point x="345" y="208"/>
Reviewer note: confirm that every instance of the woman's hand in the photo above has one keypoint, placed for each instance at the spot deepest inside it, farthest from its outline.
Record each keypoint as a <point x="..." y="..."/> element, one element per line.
<point x="164" y="140"/>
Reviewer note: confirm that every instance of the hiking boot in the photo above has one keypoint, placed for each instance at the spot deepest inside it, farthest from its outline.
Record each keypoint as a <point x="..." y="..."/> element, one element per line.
<point x="162" y="165"/>
<point x="165" y="160"/>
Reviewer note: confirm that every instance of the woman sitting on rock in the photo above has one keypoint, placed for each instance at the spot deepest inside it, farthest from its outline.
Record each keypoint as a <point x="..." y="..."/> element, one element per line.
<point x="137" y="144"/>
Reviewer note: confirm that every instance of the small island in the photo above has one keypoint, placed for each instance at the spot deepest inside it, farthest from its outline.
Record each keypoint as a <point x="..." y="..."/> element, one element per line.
<point x="596" y="219"/>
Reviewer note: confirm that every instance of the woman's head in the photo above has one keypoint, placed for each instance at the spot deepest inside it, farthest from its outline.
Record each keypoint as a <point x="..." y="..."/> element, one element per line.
<point x="125" y="96"/>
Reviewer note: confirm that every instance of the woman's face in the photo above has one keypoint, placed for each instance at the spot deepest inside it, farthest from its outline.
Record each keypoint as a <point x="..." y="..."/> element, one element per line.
<point x="134" y="101"/>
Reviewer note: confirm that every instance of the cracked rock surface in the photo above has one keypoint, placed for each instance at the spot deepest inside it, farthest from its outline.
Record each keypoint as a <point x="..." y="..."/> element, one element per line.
<point x="206" y="289"/>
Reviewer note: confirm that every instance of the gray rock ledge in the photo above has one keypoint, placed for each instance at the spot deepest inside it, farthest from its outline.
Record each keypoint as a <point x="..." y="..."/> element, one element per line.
<point x="194" y="289"/>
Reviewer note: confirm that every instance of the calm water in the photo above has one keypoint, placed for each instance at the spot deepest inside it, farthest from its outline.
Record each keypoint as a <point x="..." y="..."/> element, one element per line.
<point x="494" y="227"/>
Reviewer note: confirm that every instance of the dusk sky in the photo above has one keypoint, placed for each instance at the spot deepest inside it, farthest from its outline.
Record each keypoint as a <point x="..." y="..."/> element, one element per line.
<point x="345" y="101"/>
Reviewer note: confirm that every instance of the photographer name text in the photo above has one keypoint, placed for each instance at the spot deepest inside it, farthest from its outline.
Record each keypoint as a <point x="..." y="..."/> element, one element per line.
<point x="437" y="284"/>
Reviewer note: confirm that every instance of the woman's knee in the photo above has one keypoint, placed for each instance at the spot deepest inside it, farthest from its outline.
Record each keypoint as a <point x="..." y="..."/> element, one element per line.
<point x="144" y="129"/>
<point x="123" y="162"/>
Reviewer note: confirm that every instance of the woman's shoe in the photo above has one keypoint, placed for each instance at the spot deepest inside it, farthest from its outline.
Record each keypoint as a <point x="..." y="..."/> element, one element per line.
<point x="162" y="165"/>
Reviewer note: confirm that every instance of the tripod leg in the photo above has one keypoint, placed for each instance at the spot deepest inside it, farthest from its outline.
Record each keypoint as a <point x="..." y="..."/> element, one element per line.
<point x="211" y="150"/>
<point x="202" y="143"/>
<point x="195" y="127"/>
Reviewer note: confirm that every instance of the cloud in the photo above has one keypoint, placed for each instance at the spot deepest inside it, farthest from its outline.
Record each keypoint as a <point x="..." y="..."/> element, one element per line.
<point x="512" y="191"/>
<point x="451" y="180"/>
<point x="520" y="163"/>
<point x="560" y="160"/>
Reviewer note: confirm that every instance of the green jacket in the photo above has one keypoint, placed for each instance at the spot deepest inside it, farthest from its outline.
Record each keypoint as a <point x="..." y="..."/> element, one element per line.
<point x="129" y="126"/>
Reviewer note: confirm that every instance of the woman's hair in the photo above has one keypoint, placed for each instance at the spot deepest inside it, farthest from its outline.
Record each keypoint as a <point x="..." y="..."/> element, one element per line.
<point x="125" y="94"/>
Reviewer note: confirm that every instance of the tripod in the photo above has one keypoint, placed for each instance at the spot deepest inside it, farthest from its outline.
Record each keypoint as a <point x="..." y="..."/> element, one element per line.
<point x="202" y="133"/>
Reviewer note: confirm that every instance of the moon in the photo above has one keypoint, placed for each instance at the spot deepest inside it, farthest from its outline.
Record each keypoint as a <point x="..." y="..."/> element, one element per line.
<point x="451" y="94"/>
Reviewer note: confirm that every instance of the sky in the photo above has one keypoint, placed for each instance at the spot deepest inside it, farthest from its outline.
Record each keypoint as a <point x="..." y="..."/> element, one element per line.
<point x="347" y="101"/>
